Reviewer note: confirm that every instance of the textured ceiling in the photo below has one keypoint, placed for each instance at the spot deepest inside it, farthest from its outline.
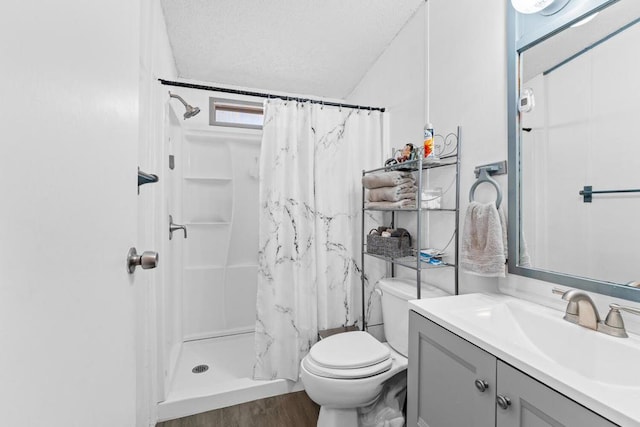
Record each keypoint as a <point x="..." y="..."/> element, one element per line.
<point x="312" y="47"/>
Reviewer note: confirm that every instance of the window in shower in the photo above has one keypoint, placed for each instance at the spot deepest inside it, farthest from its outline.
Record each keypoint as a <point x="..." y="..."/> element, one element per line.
<point x="234" y="113"/>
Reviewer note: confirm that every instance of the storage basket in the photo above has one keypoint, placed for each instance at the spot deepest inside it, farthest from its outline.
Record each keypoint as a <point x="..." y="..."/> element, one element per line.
<point x="393" y="247"/>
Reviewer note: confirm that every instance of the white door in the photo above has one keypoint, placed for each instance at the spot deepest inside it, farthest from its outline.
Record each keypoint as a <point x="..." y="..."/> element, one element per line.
<point x="68" y="155"/>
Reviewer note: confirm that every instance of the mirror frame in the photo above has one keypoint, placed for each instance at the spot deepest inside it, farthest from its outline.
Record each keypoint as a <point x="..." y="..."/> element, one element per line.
<point x="542" y="27"/>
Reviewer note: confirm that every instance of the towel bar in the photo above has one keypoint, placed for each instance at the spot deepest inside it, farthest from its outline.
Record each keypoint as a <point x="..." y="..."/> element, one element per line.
<point x="588" y="190"/>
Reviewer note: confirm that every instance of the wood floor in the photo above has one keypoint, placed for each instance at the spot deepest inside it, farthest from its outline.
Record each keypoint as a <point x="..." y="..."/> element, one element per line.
<point x="287" y="410"/>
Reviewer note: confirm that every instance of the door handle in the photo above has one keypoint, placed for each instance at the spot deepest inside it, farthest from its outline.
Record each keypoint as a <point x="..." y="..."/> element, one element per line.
<point x="173" y="227"/>
<point x="146" y="260"/>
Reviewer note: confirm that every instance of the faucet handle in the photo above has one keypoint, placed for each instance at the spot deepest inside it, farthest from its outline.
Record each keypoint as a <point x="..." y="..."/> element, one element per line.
<point x="559" y="291"/>
<point x="624" y="308"/>
<point x="614" y="325"/>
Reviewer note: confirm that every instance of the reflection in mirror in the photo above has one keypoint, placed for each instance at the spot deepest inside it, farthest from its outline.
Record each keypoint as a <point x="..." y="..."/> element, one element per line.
<point x="579" y="104"/>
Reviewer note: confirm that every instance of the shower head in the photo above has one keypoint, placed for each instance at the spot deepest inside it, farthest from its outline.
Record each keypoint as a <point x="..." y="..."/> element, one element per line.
<point x="191" y="111"/>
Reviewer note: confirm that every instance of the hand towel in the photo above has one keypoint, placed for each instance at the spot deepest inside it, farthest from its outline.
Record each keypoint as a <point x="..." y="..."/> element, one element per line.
<point x="404" y="203"/>
<point x="484" y="240"/>
<point x="525" y="260"/>
<point x="393" y="194"/>
<point x="386" y="179"/>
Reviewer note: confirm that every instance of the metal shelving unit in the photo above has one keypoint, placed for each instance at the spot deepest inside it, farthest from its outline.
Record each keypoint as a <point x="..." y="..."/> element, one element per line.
<point x="448" y="148"/>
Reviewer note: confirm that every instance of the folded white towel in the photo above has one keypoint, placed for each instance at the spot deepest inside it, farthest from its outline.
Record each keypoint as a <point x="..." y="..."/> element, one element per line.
<point x="386" y="179"/>
<point x="404" y="203"/>
<point x="393" y="194"/>
<point x="484" y="240"/>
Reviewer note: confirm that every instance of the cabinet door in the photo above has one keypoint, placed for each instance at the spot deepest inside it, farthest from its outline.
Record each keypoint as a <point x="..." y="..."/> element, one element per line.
<point x="443" y="369"/>
<point x="532" y="404"/>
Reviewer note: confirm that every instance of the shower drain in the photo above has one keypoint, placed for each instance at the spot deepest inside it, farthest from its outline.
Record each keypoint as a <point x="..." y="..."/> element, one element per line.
<point x="200" y="369"/>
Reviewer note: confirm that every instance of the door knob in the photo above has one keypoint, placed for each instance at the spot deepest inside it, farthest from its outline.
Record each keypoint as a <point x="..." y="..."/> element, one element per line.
<point x="146" y="260"/>
<point x="503" y="401"/>
<point x="481" y="385"/>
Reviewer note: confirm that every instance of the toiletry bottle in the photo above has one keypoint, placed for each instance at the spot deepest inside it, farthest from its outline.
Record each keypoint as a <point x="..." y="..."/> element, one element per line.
<point x="428" y="140"/>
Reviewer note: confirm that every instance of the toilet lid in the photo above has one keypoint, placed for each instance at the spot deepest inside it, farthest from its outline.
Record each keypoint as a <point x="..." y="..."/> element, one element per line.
<point x="349" y="350"/>
<point x="352" y="374"/>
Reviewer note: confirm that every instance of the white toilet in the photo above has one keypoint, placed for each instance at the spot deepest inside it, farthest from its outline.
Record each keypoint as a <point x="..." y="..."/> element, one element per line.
<point x="346" y="371"/>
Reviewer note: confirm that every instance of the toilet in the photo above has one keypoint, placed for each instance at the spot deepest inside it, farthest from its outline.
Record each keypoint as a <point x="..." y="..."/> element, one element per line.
<point x="346" y="371"/>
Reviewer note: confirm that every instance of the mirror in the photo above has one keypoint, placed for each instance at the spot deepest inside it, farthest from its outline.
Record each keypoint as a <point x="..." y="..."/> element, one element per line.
<point x="573" y="105"/>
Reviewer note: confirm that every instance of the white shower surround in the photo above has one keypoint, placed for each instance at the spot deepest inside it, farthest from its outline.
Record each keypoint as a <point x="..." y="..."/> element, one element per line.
<point x="310" y="200"/>
<point x="209" y="283"/>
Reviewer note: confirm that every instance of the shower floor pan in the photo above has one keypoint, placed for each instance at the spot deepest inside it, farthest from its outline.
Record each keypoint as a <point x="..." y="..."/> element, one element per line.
<point x="226" y="382"/>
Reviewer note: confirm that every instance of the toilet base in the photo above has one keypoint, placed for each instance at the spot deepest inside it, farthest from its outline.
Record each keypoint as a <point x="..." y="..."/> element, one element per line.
<point x="333" y="417"/>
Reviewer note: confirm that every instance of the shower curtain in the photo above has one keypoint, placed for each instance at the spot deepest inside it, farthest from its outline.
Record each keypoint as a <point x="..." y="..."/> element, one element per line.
<point x="309" y="242"/>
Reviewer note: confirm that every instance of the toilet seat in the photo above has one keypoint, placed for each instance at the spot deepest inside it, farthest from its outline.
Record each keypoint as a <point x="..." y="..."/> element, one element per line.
<point x="348" y="373"/>
<point x="349" y="355"/>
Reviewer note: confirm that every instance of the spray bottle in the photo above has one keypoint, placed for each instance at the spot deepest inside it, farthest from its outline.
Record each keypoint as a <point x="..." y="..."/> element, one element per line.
<point x="428" y="141"/>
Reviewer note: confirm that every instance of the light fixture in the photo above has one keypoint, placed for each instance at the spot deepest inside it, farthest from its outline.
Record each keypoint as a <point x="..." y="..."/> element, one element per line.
<point x="544" y="7"/>
<point x="530" y="6"/>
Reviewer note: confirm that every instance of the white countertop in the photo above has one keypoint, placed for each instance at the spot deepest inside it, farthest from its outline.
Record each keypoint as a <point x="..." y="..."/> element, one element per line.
<point x="596" y="370"/>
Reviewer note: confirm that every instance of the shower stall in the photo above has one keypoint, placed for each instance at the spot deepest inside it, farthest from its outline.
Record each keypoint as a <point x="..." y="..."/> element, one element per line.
<point x="207" y="292"/>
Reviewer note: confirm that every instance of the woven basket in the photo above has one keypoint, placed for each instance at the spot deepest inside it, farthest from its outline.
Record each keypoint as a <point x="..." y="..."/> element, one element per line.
<point x="393" y="247"/>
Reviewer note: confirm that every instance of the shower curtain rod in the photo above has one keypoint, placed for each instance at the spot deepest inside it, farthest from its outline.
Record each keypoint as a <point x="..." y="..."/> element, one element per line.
<point x="267" y="95"/>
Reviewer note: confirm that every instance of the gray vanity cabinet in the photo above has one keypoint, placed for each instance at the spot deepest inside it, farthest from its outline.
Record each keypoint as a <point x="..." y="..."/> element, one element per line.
<point x="532" y="404"/>
<point x="453" y="383"/>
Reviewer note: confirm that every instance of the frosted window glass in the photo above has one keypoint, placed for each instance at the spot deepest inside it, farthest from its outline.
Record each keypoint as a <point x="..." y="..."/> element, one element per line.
<point x="229" y="112"/>
<point x="244" y="118"/>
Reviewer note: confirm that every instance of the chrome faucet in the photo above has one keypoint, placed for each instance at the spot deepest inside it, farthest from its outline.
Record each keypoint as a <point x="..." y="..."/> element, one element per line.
<point x="581" y="310"/>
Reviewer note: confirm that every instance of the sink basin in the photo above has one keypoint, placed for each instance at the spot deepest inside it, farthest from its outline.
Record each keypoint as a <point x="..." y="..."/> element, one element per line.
<point x="593" y="368"/>
<point x="595" y="356"/>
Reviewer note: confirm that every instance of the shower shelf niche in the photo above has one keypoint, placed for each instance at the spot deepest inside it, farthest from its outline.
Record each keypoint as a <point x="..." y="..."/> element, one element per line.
<point x="210" y="224"/>
<point x="207" y="178"/>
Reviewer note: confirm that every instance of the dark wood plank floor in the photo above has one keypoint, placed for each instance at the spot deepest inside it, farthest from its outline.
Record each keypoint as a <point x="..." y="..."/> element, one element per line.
<point x="287" y="410"/>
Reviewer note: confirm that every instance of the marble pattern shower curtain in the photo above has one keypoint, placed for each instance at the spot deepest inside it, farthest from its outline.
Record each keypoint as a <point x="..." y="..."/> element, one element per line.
<point x="309" y="246"/>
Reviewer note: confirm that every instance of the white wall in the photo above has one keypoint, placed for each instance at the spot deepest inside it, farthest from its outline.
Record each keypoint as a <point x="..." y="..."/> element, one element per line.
<point x="70" y="87"/>
<point x="467" y="63"/>
<point x="467" y="86"/>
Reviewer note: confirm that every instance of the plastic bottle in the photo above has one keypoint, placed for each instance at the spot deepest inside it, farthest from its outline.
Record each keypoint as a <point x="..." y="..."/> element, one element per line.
<point x="428" y="140"/>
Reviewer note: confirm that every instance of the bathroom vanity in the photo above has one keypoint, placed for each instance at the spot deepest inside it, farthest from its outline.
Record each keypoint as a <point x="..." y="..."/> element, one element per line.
<point x="484" y="360"/>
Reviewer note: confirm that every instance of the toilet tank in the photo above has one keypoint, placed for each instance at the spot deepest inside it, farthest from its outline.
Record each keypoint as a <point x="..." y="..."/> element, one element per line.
<point x="395" y="297"/>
